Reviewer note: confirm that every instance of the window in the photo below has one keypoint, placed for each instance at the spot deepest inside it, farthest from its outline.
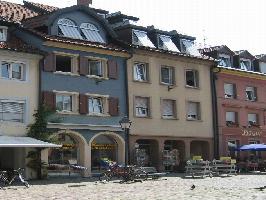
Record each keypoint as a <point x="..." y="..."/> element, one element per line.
<point x="192" y="78"/>
<point x="12" y="70"/>
<point x="166" y="43"/>
<point x="232" y="145"/>
<point x="142" y="107"/>
<point x="66" y="64"/>
<point x="262" y="67"/>
<point x="245" y="64"/>
<point x="67" y="28"/>
<point x="253" y="119"/>
<point x="168" y="109"/>
<point x="3" y="33"/>
<point x="91" y="32"/>
<point x="95" y="68"/>
<point x="229" y="91"/>
<point x="96" y="105"/>
<point x="140" y="72"/>
<point x="64" y="103"/>
<point x="141" y="38"/>
<point x="251" y="93"/>
<point x="12" y="111"/>
<point x="224" y="60"/>
<point x="189" y="47"/>
<point x="167" y="75"/>
<point x="231" y="119"/>
<point x="193" y="112"/>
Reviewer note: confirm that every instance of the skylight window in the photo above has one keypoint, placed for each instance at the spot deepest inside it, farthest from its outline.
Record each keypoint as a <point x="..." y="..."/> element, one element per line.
<point x="189" y="47"/>
<point x="91" y="32"/>
<point x="68" y="28"/>
<point x="245" y="64"/>
<point x="166" y="43"/>
<point x="141" y="38"/>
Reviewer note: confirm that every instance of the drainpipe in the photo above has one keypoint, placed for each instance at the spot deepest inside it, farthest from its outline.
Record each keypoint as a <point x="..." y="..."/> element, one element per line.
<point x="214" y="111"/>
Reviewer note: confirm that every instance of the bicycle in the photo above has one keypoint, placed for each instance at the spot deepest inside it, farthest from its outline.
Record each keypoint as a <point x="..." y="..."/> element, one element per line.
<point x="8" y="177"/>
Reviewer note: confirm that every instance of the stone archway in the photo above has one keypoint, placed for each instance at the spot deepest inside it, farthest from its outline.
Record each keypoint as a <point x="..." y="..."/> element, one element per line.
<point x="120" y="145"/>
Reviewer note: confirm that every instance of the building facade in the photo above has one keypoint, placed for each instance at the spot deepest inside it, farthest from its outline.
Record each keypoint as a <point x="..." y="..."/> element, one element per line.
<point x="241" y="100"/>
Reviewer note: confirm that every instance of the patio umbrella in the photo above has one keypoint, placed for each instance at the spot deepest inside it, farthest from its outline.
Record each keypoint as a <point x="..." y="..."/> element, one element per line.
<point x="253" y="147"/>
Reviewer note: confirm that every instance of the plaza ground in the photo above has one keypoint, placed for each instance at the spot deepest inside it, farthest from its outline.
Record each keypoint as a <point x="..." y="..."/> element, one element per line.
<point x="174" y="186"/>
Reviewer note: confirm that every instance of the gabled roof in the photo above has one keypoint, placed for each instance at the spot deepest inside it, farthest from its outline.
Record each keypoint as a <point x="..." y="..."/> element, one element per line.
<point x="13" y="12"/>
<point x="244" y="54"/>
<point x="220" y="49"/>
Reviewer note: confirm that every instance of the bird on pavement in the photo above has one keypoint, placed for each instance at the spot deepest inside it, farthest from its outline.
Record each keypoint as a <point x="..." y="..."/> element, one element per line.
<point x="193" y="187"/>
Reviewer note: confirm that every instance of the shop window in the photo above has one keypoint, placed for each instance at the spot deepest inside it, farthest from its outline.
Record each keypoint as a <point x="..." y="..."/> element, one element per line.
<point x="3" y="33"/>
<point x="141" y="72"/>
<point x="12" y="111"/>
<point x="167" y="75"/>
<point x="231" y="119"/>
<point x="165" y="42"/>
<point x="253" y="120"/>
<point x="229" y="91"/>
<point x="12" y="70"/>
<point x="251" y="93"/>
<point x="67" y="28"/>
<point x="188" y="46"/>
<point x="96" y="105"/>
<point x="142" y="108"/>
<point x="193" y="112"/>
<point x="192" y="78"/>
<point x="64" y="103"/>
<point x="141" y="38"/>
<point x="168" y="109"/>
<point x="224" y="60"/>
<point x="245" y="64"/>
<point x="91" y="32"/>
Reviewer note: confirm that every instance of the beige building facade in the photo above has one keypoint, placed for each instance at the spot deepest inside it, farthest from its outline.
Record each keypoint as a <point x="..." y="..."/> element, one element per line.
<point x="170" y="107"/>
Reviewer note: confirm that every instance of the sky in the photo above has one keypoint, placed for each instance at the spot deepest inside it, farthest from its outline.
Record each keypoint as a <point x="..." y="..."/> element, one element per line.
<point x="239" y="24"/>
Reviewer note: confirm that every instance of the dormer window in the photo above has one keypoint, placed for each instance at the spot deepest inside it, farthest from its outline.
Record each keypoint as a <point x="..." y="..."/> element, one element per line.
<point x="3" y="33"/>
<point x="102" y="15"/>
<point x="245" y="64"/>
<point x="67" y="28"/>
<point x="165" y="42"/>
<point x="91" y="32"/>
<point x="224" y="60"/>
<point x="189" y="47"/>
<point x="141" y="38"/>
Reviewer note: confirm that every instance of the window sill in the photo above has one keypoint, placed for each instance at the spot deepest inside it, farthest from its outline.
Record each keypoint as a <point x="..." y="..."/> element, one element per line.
<point x="98" y="115"/>
<point x="192" y="87"/>
<point x="251" y="100"/>
<point x="167" y="84"/>
<point x="97" y="77"/>
<point x="12" y="79"/>
<point x="67" y="112"/>
<point x="66" y="73"/>
<point x="10" y="123"/>
<point x="136" y="81"/>
<point x="194" y="120"/>
<point x="144" y="117"/>
<point x="169" y="118"/>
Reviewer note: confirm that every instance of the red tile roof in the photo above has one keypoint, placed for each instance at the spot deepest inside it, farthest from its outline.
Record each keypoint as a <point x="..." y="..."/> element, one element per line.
<point x="13" y="12"/>
<point x="40" y="7"/>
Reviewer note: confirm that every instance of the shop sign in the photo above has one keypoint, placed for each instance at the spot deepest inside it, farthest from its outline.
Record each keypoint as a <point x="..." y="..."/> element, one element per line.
<point x="68" y="146"/>
<point x="252" y="133"/>
<point x="103" y="146"/>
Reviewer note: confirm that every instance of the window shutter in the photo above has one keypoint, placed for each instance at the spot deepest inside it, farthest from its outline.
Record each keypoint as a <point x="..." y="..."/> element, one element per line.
<point x="235" y="91"/>
<point x="173" y="76"/>
<point x="113" y="106"/>
<point x="83" y="104"/>
<point x="49" y="99"/>
<point x="236" y="61"/>
<point x="50" y="63"/>
<point x="256" y="65"/>
<point x="112" y="69"/>
<point x="83" y="65"/>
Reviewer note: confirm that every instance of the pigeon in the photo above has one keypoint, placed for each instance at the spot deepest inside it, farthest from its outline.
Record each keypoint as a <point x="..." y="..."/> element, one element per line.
<point x="192" y="187"/>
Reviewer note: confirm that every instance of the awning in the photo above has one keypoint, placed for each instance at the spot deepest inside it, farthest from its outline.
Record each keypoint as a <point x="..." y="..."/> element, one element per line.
<point x="12" y="141"/>
<point x="253" y="147"/>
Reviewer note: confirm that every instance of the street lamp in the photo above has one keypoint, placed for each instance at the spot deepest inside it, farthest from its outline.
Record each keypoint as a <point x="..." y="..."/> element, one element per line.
<point x="125" y="124"/>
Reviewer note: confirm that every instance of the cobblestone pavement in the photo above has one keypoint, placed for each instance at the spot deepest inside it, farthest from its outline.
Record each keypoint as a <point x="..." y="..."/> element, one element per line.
<point x="172" y="187"/>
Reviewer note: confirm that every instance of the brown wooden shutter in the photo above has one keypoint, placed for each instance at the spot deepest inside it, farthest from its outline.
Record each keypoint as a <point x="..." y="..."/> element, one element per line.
<point x="113" y="106"/>
<point x="83" y="104"/>
<point x="83" y="65"/>
<point x="50" y="63"/>
<point x="112" y="69"/>
<point x="48" y="99"/>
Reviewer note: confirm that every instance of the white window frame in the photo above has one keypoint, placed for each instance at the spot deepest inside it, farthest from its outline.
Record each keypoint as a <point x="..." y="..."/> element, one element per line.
<point x="74" y="63"/>
<point x="141" y="38"/>
<point x="137" y="74"/>
<point x="10" y="76"/>
<point x="64" y="24"/>
<point x="173" y="102"/>
<point x="71" y="102"/>
<point x="251" y="121"/>
<point x="228" y="59"/>
<point x="3" y="37"/>
<point x="105" y="106"/>
<point x="192" y="49"/>
<point x="170" y="75"/>
<point x="191" y="113"/>
<point x="91" y="32"/>
<point x="243" y="65"/>
<point x="195" y="77"/>
<point x="101" y="75"/>
<point x="252" y="90"/>
<point x="227" y="95"/>
<point x="167" y="43"/>
<point x="24" y="114"/>
<point x="231" y="118"/>
<point x="145" y="108"/>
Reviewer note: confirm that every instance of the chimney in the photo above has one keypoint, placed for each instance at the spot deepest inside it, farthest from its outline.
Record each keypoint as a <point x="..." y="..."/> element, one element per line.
<point x="84" y="2"/>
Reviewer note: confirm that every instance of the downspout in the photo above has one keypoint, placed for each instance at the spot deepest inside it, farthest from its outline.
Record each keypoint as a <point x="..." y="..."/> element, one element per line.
<point x="215" y="112"/>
